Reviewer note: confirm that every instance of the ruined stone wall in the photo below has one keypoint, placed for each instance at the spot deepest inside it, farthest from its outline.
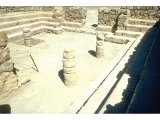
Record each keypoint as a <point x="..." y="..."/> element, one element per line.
<point x="8" y="80"/>
<point x="109" y="16"/>
<point x="144" y="12"/>
<point x="75" y="14"/>
<point x="11" y="9"/>
<point x="58" y="14"/>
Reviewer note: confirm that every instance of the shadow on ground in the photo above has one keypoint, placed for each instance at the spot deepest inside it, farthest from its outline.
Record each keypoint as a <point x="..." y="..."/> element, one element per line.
<point x="92" y="52"/>
<point x="144" y="81"/>
<point x="61" y="76"/>
<point x="5" y="109"/>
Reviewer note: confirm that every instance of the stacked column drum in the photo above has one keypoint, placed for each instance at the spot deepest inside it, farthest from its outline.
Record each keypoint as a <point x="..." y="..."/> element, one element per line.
<point x="69" y="64"/>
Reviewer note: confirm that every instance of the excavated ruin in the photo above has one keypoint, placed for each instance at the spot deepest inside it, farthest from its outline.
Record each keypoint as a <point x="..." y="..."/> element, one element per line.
<point x="78" y="59"/>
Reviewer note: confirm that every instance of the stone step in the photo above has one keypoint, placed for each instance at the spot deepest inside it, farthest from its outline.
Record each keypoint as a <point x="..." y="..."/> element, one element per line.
<point x="118" y="39"/>
<point x="127" y="33"/>
<point x="24" y="21"/>
<point x="137" y="28"/>
<point x="36" y="30"/>
<point x="19" y="28"/>
<point x="104" y="28"/>
<point x="27" y="15"/>
<point x="141" y="22"/>
<point x="72" y="24"/>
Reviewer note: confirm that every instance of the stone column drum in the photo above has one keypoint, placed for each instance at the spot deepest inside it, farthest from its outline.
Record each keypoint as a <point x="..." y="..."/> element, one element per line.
<point x="69" y="66"/>
<point x="100" y="45"/>
<point x="27" y="37"/>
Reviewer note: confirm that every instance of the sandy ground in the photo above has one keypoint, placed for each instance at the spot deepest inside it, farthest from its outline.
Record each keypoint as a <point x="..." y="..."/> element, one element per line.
<point x="46" y="93"/>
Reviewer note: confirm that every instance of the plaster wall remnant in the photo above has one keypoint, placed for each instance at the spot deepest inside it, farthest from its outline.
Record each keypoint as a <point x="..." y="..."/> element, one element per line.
<point x="100" y="45"/>
<point x="8" y="80"/>
<point x="69" y="66"/>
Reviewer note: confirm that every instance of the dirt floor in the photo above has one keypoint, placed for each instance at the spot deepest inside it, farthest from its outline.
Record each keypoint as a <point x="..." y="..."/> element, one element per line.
<point x="46" y="92"/>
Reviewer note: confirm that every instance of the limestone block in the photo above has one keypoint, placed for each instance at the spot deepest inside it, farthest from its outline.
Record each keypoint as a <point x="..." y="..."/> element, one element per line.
<point x="69" y="63"/>
<point x="132" y="28"/>
<point x="26" y="30"/>
<point x="100" y="37"/>
<point x="144" y="29"/>
<point x="143" y="7"/>
<point x="68" y="70"/>
<point x="4" y="55"/>
<point x="69" y="53"/>
<point x="3" y="39"/>
<point x="28" y="42"/>
<point x="152" y="12"/>
<point x="100" y="43"/>
<point x="8" y="82"/>
<point x="99" y="51"/>
<point x="70" y="79"/>
<point x="27" y="34"/>
<point x="6" y="67"/>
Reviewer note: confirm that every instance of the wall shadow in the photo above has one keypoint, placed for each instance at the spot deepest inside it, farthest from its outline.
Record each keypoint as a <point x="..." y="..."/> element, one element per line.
<point x="5" y="109"/>
<point x="134" y="68"/>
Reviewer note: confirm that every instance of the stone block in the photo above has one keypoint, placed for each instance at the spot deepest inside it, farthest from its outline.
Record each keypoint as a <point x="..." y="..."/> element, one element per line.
<point x="100" y="37"/>
<point x="144" y="29"/>
<point x="100" y="43"/>
<point x="69" y="70"/>
<point x="133" y="28"/>
<point x="99" y="51"/>
<point x="104" y="28"/>
<point x="4" y="55"/>
<point x="69" y="63"/>
<point x="8" y="82"/>
<point x="26" y="30"/>
<point x="6" y="67"/>
<point x="3" y="39"/>
<point x="70" y="79"/>
<point x="69" y="53"/>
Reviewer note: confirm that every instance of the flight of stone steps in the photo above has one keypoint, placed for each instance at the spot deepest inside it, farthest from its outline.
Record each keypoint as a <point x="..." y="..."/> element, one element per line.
<point x="133" y="29"/>
<point x="37" y="21"/>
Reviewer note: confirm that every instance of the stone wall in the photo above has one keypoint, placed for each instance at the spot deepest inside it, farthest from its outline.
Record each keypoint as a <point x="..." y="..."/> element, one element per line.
<point x="8" y="80"/>
<point x="144" y="12"/>
<point x="58" y="14"/>
<point x="75" y="14"/>
<point x="109" y="16"/>
<point x="10" y="9"/>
